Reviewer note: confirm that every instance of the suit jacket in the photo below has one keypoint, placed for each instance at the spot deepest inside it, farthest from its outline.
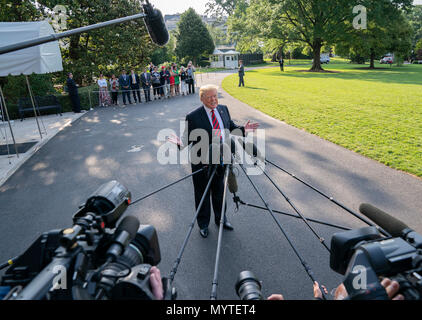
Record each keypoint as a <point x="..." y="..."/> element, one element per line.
<point x="71" y="87"/>
<point x="242" y="71"/>
<point x="198" y="119"/>
<point x="146" y="81"/>
<point x="125" y="84"/>
<point x="137" y="84"/>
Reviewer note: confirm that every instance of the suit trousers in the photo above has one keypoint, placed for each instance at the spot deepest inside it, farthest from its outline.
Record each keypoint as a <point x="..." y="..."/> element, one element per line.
<point x="136" y="91"/>
<point x="215" y="195"/>
<point x="147" y="93"/>
<point x="241" y="80"/>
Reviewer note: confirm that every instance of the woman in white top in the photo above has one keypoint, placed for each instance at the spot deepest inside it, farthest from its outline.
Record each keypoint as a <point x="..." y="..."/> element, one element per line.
<point x="104" y="97"/>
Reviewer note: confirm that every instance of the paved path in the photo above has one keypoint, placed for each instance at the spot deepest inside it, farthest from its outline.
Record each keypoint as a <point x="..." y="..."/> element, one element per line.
<point x="45" y="192"/>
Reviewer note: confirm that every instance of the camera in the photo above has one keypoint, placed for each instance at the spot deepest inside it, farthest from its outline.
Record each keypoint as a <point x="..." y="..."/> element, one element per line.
<point x="92" y="260"/>
<point x="248" y="287"/>
<point x="364" y="256"/>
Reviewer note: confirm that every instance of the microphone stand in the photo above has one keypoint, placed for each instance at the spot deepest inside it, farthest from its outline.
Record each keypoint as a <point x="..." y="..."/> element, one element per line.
<point x="303" y="262"/>
<point x="331" y="199"/>
<point x="295" y="216"/>
<point x="220" y="234"/>
<point x="166" y="186"/>
<point x="192" y="225"/>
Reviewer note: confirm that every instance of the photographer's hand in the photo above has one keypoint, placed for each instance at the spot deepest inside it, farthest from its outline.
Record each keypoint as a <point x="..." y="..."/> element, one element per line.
<point x="317" y="291"/>
<point x="274" y="297"/>
<point x="392" y="288"/>
<point x="156" y="283"/>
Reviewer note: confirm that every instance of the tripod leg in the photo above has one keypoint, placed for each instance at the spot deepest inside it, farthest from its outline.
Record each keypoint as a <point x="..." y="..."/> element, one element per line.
<point x="220" y="236"/>
<point x="192" y="225"/>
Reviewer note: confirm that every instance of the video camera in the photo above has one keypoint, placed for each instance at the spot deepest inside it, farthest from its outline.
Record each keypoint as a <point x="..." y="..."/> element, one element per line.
<point x="363" y="256"/>
<point x="93" y="260"/>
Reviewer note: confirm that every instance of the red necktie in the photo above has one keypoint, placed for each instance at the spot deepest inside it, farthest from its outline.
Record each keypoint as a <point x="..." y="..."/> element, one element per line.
<point x="215" y="124"/>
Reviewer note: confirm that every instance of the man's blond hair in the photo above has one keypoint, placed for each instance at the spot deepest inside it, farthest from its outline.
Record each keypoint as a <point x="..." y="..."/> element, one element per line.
<point x="208" y="87"/>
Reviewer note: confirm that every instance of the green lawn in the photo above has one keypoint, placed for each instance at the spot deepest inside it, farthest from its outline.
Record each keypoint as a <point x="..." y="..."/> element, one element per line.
<point x="377" y="113"/>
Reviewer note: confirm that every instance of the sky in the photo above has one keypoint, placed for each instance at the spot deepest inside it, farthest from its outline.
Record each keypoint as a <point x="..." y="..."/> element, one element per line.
<point x="180" y="6"/>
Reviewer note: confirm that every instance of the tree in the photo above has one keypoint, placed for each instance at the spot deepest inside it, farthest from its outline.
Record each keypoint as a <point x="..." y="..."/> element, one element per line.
<point x="387" y="31"/>
<point x="219" y="8"/>
<point x="193" y="37"/>
<point x="107" y="49"/>
<point x="312" y="22"/>
<point x="415" y="19"/>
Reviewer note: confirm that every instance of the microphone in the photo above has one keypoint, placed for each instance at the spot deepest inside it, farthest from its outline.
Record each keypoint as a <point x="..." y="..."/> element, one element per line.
<point x="155" y="24"/>
<point x="232" y="182"/>
<point x="233" y="187"/>
<point x="392" y="225"/>
<point x="124" y="234"/>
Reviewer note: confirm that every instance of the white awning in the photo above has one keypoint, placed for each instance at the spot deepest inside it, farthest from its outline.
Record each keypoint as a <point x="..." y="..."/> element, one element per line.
<point x="40" y="59"/>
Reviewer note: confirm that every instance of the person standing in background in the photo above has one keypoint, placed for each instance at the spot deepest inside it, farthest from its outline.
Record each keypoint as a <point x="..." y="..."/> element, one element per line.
<point x="114" y="88"/>
<point x="281" y="62"/>
<point x="72" y="88"/>
<point x="191" y="78"/>
<point x="163" y="82"/>
<point x="124" y="82"/>
<point x="172" y="81"/>
<point x="176" y="80"/>
<point x="241" y="74"/>
<point x="146" y="84"/>
<point x="155" y="78"/>
<point x="104" y="97"/>
<point x="183" y="83"/>
<point x="135" y="86"/>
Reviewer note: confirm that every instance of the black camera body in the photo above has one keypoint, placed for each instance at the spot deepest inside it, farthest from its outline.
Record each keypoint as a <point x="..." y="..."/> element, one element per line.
<point x="364" y="256"/>
<point x="91" y="260"/>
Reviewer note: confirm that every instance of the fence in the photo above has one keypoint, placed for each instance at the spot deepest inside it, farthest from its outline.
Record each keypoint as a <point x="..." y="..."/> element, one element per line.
<point x="251" y="58"/>
<point x="104" y="97"/>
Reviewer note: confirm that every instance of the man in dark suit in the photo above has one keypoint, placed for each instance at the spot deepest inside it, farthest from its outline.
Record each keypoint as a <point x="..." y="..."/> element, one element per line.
<point x="135" y="85"/>
<point x="215" y="120"/>
<point x="72" y="88"/>
<point x="146" y="84"/>
<point x="124" y="83"/>
<point x="241" y="74"/>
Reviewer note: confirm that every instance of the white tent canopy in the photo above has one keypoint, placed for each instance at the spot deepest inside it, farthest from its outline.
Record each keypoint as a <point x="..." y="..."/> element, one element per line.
<point x="40" y="59"/>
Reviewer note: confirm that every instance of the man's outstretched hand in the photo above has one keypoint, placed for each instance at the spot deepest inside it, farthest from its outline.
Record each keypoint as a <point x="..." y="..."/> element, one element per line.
<point x="250" y="127"/>
<point x="174" y="139"/>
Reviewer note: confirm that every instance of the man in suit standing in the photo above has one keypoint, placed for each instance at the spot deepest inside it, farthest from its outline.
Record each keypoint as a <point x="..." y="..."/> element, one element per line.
<point x="135" y="86"/>
<point x="72" y="88"/>
<point x="241" y="74"/>
<point x="146" y="85"/>
<point x="214" y="119"/>
<point x="124" y="83"/>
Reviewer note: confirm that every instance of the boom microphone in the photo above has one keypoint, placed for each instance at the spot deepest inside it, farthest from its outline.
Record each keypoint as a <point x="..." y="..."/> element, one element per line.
<point x="125" y="233"/>
<point x="155" y="24"/>
<point x="392" y="225"/>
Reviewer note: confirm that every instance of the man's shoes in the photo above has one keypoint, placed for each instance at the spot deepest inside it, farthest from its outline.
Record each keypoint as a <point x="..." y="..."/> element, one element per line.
<point x="204" y="232"/>
<point x="227" y="225"/>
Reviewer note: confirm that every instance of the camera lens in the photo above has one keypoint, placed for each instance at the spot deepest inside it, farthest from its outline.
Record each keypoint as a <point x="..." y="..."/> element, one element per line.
<point x="248" y="287"/>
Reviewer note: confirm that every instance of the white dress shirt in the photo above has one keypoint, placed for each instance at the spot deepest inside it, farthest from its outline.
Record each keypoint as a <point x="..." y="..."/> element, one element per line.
<point x="220" y="121"/>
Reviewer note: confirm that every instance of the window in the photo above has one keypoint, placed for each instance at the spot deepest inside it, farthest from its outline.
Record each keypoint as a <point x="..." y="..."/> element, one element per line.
<point x="228" y="58"/>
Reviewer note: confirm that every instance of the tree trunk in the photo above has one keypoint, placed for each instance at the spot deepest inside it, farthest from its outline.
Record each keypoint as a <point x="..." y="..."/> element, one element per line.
<point x="316" y="64"/>
<point x="372" y="63"/>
